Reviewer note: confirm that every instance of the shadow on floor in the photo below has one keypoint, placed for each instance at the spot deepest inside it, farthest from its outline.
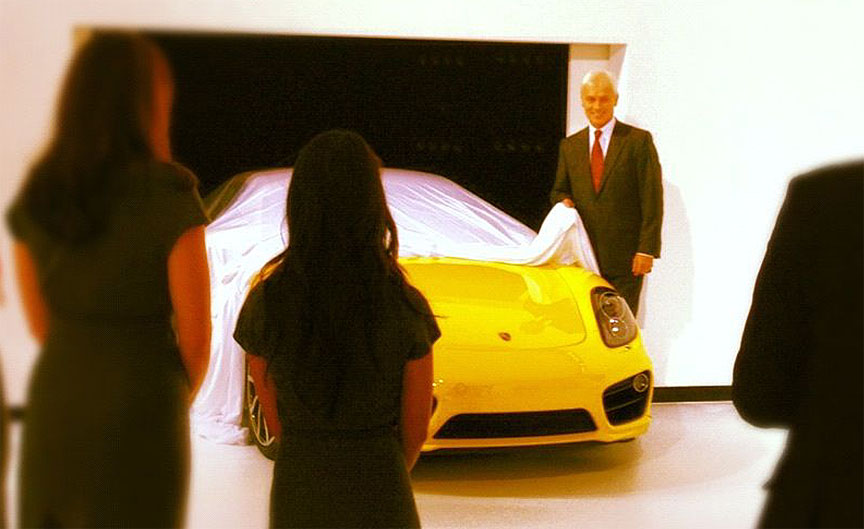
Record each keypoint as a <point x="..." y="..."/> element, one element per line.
<point x="576" y="469"/>
<point x="686" y="446"/>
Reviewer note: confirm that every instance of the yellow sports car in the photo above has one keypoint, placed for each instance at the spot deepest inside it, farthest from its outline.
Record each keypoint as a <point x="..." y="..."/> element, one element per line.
<point x="533" y="351"/>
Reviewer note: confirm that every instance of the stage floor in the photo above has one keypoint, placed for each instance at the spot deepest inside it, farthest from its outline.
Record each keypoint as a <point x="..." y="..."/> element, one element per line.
<point x="698" y="465"/>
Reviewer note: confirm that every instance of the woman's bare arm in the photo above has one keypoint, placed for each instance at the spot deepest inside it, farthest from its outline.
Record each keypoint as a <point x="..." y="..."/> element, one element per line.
<point x="266" y="392"/>
<point x="189" y="285"/>
<point x="416" y="407"/>
<point x="31" y="295"/>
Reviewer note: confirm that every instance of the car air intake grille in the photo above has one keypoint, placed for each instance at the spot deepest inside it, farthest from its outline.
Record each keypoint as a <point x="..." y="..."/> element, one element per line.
<point x="622" y="403"/>
<point x="517" y="424"/>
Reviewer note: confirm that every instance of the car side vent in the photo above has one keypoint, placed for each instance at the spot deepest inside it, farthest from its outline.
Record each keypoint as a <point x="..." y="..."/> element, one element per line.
<point x="623" y="402"/>
<point x="517" y="424"/>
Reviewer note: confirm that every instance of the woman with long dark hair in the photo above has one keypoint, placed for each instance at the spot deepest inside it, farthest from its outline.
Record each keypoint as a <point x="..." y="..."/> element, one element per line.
<point x="343" y="343"/>
<point x="109" y="249"/>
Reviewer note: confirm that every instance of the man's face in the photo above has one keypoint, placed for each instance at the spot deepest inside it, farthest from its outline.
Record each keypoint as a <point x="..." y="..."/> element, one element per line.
<point x="598" y="100"/>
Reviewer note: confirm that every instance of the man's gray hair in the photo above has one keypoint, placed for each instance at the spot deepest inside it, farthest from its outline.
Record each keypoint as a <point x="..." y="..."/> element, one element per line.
<point x="600" y="76"/>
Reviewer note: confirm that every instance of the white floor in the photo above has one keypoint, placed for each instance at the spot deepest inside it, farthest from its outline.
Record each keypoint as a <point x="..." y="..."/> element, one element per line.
<point x="698" y="466"/>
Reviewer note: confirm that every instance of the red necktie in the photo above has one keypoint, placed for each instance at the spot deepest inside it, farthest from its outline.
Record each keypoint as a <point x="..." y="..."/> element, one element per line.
<point x="597" y="162"/>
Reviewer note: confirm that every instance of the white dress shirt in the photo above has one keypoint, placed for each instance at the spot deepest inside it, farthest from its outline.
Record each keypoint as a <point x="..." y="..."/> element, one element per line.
<point x="605" y="137"/>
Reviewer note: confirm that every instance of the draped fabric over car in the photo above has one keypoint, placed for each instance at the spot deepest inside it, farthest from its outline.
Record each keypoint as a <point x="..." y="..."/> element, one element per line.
<point x="435" y="218"/>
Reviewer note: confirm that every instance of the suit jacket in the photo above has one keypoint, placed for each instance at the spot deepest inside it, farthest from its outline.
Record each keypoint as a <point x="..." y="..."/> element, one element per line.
<point x="800" y="362"/>
<point x="626" y="215"/>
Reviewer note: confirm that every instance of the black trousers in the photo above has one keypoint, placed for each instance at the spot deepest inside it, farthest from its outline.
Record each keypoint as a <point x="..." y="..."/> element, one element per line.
<point x="629" y="286"/>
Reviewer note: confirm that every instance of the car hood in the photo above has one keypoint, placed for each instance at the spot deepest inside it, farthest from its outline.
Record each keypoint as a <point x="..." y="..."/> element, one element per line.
<point x="492" y="305"/>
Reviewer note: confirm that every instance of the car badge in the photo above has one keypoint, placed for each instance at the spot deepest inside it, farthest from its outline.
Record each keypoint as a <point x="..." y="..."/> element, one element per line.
<point x="505" y="336"/>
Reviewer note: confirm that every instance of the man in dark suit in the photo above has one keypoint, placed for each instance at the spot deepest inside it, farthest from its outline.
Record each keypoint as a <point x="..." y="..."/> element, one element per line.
<point x="610" y="173"/>
<point x="800" y="363"/>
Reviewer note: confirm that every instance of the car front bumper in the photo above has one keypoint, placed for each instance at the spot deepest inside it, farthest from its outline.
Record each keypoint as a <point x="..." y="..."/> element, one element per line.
<point x="544" y="398"/>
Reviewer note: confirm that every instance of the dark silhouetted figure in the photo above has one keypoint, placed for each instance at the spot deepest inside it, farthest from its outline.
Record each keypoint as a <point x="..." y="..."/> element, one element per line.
<point x="341" y="344"/>
<point x="800" y="363"/>
<point x="109" y="244"/>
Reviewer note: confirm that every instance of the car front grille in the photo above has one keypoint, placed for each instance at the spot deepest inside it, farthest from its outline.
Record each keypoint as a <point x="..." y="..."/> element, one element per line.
<point x="516" y="424"/>
<point x="622" y="403"/>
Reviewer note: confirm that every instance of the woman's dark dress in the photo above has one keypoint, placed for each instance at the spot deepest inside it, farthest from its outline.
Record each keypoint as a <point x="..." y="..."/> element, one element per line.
<point x="106" y="436"/>
<point x="348" y="470"/>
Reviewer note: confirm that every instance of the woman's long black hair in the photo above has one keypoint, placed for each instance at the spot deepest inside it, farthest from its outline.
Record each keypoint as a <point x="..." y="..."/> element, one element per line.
<point x="326" y="291"/>
<point x="103" y="123"/>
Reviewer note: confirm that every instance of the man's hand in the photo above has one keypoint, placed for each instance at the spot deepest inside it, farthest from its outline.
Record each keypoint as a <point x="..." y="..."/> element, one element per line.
<point x="568" y="202"/>
<point x="642" y="264"/>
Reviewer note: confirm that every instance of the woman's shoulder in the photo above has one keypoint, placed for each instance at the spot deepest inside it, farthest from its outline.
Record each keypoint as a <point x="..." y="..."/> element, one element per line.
<point x="419" y="313"/>
<point x="413" y="299"/>
<point x="268" y="283"/>
<point x="414" y="296"/>
<point x="169" y="192"/>
<point x="168" y="175"/>
<point x="18" y="217"/>
<point x="266" y="273"/>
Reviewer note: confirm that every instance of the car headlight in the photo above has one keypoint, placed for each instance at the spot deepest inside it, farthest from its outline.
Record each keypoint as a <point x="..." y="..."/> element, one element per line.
<point x="616" y="322"/>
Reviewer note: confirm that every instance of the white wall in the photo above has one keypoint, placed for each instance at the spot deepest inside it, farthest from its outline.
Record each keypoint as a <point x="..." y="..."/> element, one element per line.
<point x="740" y="96"/>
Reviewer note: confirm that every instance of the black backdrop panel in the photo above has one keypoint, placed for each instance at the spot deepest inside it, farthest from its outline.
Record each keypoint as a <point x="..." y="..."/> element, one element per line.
<point x="486" y="115"/>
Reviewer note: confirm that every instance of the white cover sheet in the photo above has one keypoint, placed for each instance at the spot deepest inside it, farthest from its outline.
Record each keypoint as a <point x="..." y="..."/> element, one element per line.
<point x="435" y="218"/>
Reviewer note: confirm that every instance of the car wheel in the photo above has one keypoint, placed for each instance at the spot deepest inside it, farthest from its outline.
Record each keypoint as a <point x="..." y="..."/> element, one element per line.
<point x="257" y="422"/>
